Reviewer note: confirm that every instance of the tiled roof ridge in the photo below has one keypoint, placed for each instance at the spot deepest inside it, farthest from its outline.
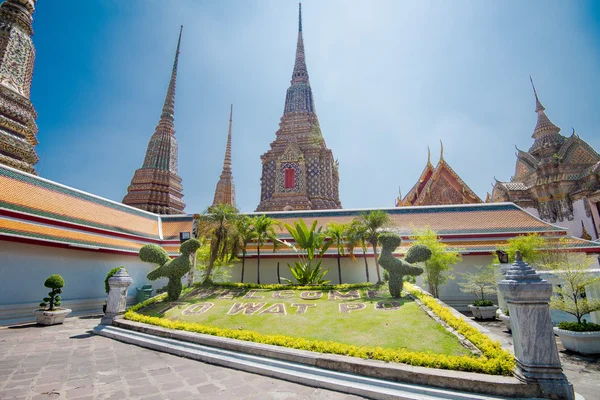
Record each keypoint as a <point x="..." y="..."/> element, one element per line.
<point x="437" y="172"/>
<point x="422" y="180"/>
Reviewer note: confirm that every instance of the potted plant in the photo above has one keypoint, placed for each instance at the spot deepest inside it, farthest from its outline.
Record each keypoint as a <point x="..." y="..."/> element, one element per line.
<point x="53" y="314"/>
<point x="480" y="283"/>
<point x="581" y="336"/>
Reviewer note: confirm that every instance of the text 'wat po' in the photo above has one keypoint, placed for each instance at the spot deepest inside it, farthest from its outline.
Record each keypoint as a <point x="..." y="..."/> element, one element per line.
<point x="299" y="172"/>
<point x="18" y="129"/>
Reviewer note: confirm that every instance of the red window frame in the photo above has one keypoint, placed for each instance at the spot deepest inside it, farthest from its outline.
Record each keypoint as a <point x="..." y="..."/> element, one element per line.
<point x="290" y="177"/>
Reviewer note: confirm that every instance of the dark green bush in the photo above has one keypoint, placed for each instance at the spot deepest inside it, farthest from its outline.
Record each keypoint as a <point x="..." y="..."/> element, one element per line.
<point x="397" y="269"/>
<point x="56" y="283"/>
<point x="579" y="327"/>
<point x="483" y="303"/>
<point x="174" y="269"/>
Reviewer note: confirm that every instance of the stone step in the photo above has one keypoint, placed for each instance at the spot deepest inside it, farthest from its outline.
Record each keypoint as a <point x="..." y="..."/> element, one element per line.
<point x="289" y="371"/>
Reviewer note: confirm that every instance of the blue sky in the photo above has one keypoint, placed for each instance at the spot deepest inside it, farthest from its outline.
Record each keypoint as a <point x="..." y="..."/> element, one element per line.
<point x="389" y="78"/>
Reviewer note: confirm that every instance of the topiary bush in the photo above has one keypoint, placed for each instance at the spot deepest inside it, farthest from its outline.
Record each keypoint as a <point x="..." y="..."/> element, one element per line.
<point x="173" y="269"/>
<point x="56" y="283"/>
<point x="579" y="327"/>
<point x="397" y="269"/>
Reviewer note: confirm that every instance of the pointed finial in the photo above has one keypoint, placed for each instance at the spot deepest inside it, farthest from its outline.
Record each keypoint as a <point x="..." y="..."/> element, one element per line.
<point x="538" y="104"/>
<point x="428" y="155"/>
<point x="441" y="151"/>
<point x="573" y="133"/>
<point x="168" y="113"/>
<point x="399" y="192"/>
<point x="299" y="16"/>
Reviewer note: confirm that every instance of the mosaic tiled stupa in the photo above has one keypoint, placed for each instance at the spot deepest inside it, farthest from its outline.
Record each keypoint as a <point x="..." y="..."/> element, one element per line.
<point x="299" y="171"/>
<point x="18" y="129"/>
<point x="225" y="191"/>
<point x="156" y="187"/>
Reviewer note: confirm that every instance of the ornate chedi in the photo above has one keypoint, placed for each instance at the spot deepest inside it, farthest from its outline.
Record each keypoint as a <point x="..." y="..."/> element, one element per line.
<point x="438" y="185"/>
<point x="225" y="191"/>
<point x="156" y="187"/>
<point x="558" y="178"/>
<point x="18" y="129"/>
<point x="299" y="171"/>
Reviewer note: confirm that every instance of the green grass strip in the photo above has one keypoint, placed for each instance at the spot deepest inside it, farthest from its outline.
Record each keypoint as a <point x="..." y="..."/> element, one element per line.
<point x="495" y="360"/>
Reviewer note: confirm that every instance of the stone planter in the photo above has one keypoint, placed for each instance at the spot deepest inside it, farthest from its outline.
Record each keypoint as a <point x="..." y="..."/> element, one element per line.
<point x="483" y="312"/>
<point x="55" y="317"/>
<point x="579" y="342"/>
<point x="506" y="319"/>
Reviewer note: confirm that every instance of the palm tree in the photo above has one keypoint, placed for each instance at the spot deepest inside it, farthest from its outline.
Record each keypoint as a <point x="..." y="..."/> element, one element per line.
<point x="264" y="231"/>
<point x="245" y="233"/>
<point x="357" y="235"/>
<point x="218" y="225"/>
<point x="337" y="233"/>
<point x="374" y="221"/>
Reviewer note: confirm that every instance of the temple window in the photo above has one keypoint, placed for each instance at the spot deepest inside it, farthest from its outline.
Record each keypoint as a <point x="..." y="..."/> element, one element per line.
<point x="290" y="174"/>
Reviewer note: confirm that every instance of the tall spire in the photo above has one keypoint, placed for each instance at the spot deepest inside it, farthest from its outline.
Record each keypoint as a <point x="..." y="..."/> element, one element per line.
<point x="300" y="73"/>
<point x="168" y="112"/>
<point x="225" y="190"/>
<point x="538" y="105"/>
<point x="156" y="187"/>
<point x="546" y="134"/>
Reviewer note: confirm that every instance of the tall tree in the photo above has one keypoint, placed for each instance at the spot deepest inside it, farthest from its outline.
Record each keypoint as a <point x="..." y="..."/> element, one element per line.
<point x="442" y="259"/>
<point x="218" y="225"/>
<point x="356" y="235"/>
<point x="264" y="229"/>
<point x="337" y="234"/>
<point x="244" y="234"/>
<point x="374" y="221"/>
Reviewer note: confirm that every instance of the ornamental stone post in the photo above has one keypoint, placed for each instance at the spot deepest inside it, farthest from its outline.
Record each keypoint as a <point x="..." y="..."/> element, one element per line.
<point x="527" y="296"/>
<point x="117" y="296"/>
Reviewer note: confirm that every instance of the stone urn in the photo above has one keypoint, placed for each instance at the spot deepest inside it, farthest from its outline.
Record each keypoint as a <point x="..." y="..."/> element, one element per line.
<point x="505" y="319"/>
<point x="54" y="317"/>
<point x="579" y="342"/>
<point x="483" y="312"/>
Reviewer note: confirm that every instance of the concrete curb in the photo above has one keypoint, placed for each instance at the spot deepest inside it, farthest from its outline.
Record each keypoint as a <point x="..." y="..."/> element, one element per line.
<point x="508" y="387"/>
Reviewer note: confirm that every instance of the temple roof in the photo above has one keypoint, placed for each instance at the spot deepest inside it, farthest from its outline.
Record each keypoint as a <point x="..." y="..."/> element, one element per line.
<point x="38" y="211"/>
<point x="437" y="186"/>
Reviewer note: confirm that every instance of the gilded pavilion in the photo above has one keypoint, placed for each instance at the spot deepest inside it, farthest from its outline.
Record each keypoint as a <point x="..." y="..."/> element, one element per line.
<point x="299" y="172"/>
<point x="156" y="187"/>
<point x="438" y="185"/>
<point x="18" y="128"/>
<point x="557" y="179"/>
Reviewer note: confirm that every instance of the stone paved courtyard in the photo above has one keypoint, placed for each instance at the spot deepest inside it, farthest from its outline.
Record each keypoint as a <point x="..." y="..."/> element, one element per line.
<point x="69" y="362"/>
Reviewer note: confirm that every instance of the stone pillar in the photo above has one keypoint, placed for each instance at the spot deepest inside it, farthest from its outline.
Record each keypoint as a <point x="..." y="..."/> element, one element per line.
<point x="117" y="296"/>
<point x="527" y="296"/>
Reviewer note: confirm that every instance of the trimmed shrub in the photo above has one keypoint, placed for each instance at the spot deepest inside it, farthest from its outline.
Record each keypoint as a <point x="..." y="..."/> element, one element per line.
<point x="56" y="283"/>
<point x="579" y="327"/>
<point x="483" y="303"/>
<point x="174" y="269"/>
<point x="397" y="269"/>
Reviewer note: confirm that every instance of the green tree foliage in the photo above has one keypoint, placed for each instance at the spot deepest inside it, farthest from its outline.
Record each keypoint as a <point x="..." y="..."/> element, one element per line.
<point x="570" y="297"/>
<point x="173" y="269"/>
<point x="218" y="225"/>
<point x="337" y="233"/>
<point x="245" y="233"/>
<point x="313" y="245"/>
<point x="264" y="230"/>
<point x="373" y="222"/>
<point x="531" y="247"/>
<point x="480" y="282"/>
<point x="441" y="261"/>
<point x="221" y="267"/>
<point x="56" y="283"/>
<point x="357" y="235"/>
<point x="397" y="269"/>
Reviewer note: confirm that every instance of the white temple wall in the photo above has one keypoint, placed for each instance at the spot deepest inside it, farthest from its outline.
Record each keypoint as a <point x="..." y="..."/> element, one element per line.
<point x="25" y="267"/>
<point x="574" y="226"/>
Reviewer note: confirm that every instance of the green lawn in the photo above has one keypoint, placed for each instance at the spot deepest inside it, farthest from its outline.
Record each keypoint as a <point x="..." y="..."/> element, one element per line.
<point x="406" y="326"/>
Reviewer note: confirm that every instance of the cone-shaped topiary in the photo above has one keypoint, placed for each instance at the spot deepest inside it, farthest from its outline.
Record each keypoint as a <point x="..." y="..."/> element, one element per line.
<point x="398" y="268"/>
<point x="56" y="283"/>
<point x="174" y="269"/>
